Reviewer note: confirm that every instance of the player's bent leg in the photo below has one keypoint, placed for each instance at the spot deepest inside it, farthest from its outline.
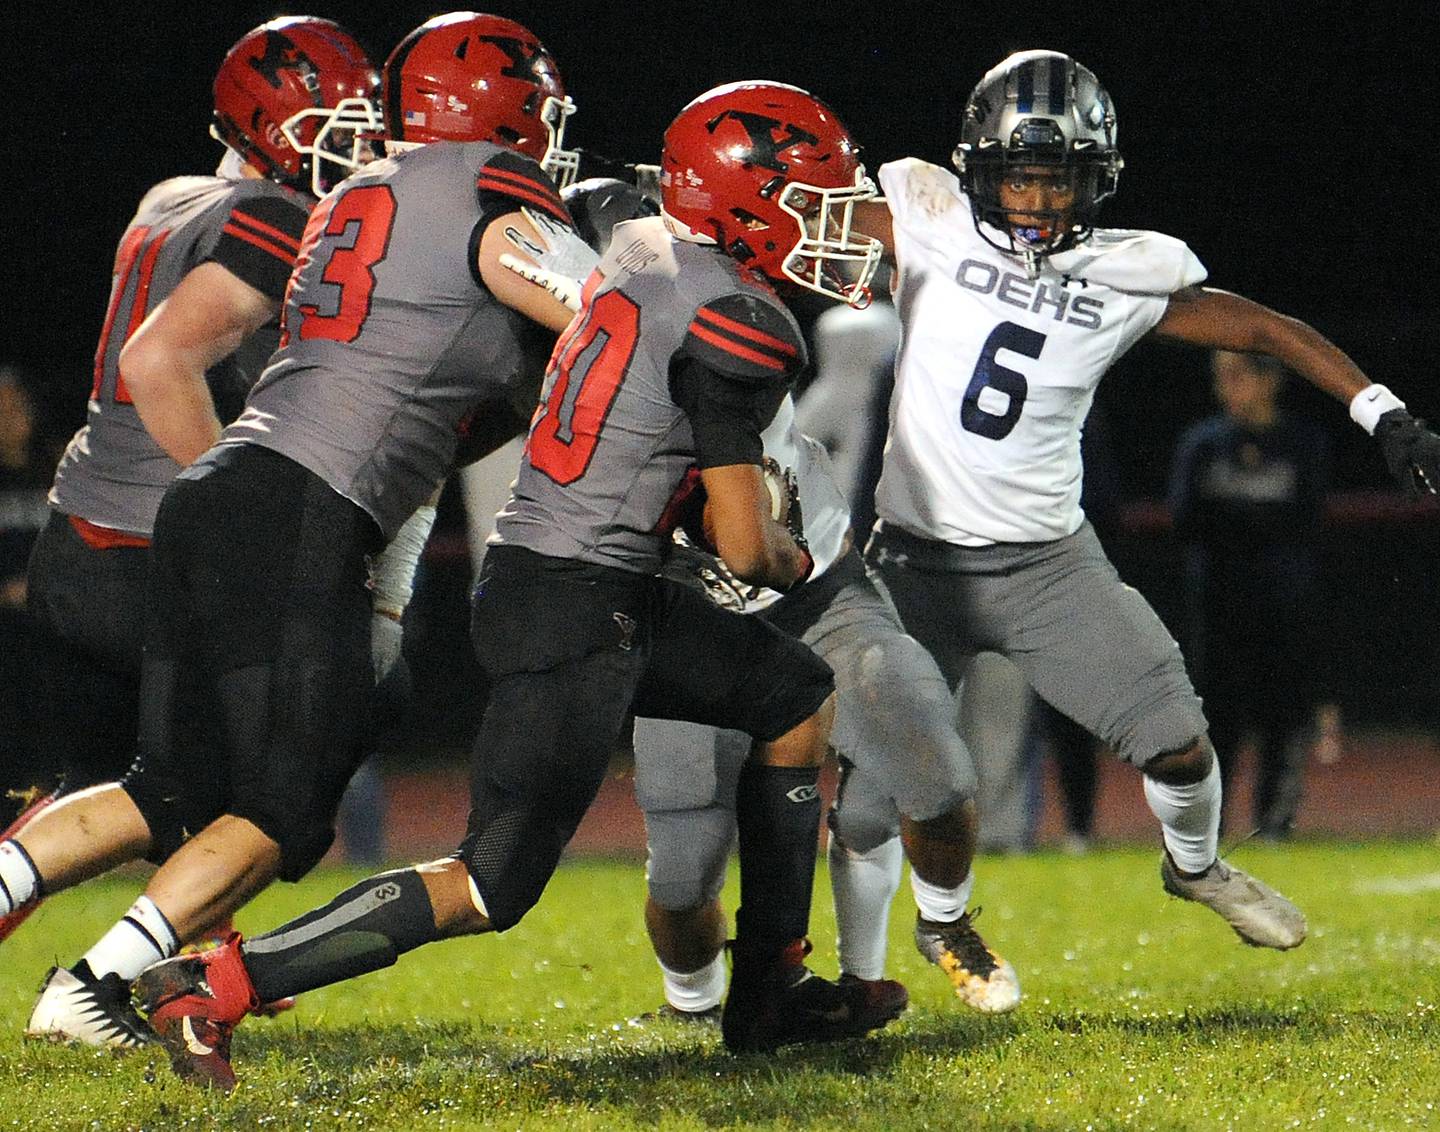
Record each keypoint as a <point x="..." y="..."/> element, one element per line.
<point x="688" y="847"/>
<point x="64" y="843"/>
<point x="1183" y="790"/>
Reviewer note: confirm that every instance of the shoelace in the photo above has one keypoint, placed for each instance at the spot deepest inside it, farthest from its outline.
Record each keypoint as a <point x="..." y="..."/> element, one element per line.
<point x="962" y="941"/>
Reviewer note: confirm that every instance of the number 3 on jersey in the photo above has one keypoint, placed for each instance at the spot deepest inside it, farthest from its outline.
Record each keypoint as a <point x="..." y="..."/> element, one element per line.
<point x="350" y="233"/>
<point x="990" y="374"/>
<point x="590" y="363"/>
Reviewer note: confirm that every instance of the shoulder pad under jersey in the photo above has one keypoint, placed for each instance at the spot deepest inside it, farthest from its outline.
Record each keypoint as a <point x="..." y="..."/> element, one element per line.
<point x="747" y="336"/>
<point x="1148" y="263"/>
<point x="518" y="180"/>
<point x="915" y="188"/>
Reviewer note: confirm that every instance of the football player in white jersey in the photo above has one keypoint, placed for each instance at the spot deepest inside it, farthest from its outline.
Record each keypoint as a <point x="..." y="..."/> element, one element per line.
<point x="1013" y="304"/>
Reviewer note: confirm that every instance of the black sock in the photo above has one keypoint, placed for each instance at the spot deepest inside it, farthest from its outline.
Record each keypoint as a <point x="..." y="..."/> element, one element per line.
<point x="365" y="928"/>
<point x="777" y="809"/>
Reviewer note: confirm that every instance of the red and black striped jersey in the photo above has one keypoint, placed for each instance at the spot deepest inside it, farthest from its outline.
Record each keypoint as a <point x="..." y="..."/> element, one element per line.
<point x="678" y="357"/>
<point x="113" y="474"/>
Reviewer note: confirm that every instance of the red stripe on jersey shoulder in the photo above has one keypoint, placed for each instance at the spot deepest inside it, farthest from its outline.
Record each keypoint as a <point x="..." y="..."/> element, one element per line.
<point x="260" y="228"/>
<point x="265" y="244"/>
<point x="516" y="183"/>
<point x="729" y="326"/>
<point x="730" y="346"/>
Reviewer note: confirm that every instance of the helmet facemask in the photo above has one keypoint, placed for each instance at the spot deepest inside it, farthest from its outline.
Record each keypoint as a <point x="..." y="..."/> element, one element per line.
<point x="562" y="165"/>
<point x="1032" y="231"/>
<point x="343" y="136"/>
<point x="830" y="257"/>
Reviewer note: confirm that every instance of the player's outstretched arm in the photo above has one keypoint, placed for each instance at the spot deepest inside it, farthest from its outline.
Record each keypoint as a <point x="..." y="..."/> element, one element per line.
<point x="1219" y="320"/>
<point x="163" y="364"/>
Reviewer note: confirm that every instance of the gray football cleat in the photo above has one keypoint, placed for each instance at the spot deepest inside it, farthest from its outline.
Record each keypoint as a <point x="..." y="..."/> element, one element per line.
<point x="981" y="978"/>
<point x="74" y="1006"/>
<point x="1259" y="914"/>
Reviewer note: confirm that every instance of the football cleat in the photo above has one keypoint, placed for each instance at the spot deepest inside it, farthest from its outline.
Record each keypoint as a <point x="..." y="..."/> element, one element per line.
<point x="9" y="923"/>
<point x="75" y="1006"/>
<point x="667" y="1013"/>
<point x="778" y="1001"/>
<point x="1259" y="914"/>
<point x="982" y="979"/>
<point x="218" y="936"/>
<point x="194" y="1003"/>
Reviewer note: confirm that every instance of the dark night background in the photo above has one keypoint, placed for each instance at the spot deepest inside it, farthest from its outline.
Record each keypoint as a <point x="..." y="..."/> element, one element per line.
<point x="1288" y="144"/>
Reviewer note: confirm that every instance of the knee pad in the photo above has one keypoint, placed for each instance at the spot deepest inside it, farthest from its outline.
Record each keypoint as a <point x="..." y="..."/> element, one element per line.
<point x="688" y="852"/>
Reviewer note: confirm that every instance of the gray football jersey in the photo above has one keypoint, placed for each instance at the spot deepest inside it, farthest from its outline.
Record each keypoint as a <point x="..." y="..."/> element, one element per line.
<point x="113" y="474"/>
<point x="609" y="447"/>
<point x="390" y="339"/>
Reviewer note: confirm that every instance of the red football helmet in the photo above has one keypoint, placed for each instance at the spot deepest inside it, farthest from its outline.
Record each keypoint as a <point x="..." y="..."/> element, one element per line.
<point x="767" y="172"/>
<point x="294" y="94"/>
<point x="472" y="77"/>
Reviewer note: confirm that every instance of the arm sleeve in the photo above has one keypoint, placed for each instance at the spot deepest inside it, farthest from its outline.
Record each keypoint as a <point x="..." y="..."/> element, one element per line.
<point x="259" y="241"/>
<point x="726" y="414"/>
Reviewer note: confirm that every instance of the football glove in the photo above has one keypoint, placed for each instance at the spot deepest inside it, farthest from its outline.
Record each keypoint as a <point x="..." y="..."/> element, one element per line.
<point x="1411" y="450"/>
<point x="561" y="259"/>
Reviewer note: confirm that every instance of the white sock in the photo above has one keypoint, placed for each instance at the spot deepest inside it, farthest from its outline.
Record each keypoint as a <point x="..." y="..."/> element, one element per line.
<point x="142" y="937"/>
<point x="942" y="905"/>
<point x="1189" y="819"/>
<point x="694" y="991"/>
<point x="863" y="886"/>
<point x="19" y="882"/>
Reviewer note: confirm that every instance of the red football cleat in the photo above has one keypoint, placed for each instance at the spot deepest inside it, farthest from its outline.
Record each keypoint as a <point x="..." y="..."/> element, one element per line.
<point x="194" y="1003"/>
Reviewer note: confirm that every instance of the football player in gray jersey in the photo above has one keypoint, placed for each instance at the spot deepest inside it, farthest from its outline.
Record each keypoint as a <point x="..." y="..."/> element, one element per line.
<point x="257" y="668"/>
<point x="981" y="540"/>
<point x="906" y="774"/>
<point x="678" y="358"/>
<point x="194" y="311"/>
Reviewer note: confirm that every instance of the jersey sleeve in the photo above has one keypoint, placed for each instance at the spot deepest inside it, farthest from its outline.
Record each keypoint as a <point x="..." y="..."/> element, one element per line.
<point x="746" y="338"/>
<point x="509" y="180"/>
<point x="259" y="240"/>
<point x="915" y="188"/>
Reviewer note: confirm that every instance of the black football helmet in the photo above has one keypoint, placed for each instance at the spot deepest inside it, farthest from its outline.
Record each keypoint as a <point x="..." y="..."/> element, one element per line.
<point x="1038" y="108"/>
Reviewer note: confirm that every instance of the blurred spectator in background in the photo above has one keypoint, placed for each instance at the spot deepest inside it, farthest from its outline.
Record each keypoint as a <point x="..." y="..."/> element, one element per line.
<point x="25" y="471"/>
<point x="1247" y="491"/>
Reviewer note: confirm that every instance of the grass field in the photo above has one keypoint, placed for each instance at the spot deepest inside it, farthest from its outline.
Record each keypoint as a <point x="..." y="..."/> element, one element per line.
<point x="1140" y="1012"/>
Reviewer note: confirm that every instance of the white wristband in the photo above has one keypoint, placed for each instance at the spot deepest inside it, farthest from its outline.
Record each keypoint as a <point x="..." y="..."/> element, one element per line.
<point x="1372" y="403"/>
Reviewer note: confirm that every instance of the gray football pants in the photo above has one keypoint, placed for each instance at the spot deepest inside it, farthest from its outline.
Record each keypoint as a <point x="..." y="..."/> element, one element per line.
<point x="1086" y="642"/>
<point x="894" y="725"/>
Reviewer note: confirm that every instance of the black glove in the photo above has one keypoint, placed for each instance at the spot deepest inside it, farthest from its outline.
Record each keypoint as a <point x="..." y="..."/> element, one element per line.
<point x="1411" y="450"/>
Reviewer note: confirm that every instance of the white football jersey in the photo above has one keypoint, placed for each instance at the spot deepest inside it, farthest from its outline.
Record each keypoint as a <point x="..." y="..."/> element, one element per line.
<point x="996" y="370"/>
